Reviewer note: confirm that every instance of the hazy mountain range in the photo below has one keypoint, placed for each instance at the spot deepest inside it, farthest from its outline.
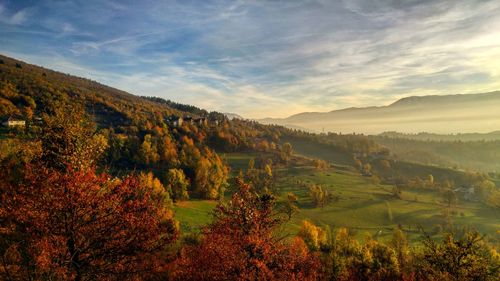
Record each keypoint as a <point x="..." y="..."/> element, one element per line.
<point x="448" y="114"/>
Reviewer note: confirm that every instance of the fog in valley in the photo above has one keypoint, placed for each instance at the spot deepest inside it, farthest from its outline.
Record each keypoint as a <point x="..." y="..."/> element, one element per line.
<point x="453" y="114"/>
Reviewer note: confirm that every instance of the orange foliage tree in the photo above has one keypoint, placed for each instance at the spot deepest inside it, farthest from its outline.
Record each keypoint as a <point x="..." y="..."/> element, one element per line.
<point x="77" y="225"/>
<point x="241" y="245"/>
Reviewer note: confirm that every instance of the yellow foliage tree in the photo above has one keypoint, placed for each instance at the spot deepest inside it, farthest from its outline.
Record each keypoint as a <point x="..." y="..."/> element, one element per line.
<point x="313" y="235"/>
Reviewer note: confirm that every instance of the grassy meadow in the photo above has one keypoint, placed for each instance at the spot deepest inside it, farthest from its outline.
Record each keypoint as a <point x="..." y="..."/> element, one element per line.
<point x="363" y="206"/>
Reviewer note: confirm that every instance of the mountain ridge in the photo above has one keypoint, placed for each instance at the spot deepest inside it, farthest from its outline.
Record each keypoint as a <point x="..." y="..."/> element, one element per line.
<point x="456" y="113"/>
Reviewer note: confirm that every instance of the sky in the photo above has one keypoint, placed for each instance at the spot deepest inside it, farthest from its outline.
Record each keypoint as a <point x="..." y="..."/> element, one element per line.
<point x="264" y="58"/>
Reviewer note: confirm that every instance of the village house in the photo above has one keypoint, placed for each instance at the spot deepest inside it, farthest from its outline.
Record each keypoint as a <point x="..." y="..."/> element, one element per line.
<point x="175" y="121"/>
<point x="467" y="193"/>
<point x="14" y="122"/>
<point x="201" y="121"/>
<point x="38" y="120"/>
<point x="188" y="119"/>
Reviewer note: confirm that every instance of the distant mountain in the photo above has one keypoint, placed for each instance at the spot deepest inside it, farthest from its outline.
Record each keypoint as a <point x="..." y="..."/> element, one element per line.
<point x="448" y="114"/>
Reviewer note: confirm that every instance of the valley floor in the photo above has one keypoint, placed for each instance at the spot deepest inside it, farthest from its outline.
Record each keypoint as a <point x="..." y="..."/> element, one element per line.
<point x="363" y="206"/>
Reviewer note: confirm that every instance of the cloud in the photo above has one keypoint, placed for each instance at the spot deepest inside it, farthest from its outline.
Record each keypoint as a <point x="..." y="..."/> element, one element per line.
<point x="17" y="18"/>
<point x="67" y="28"/>
<point x="269" y="58"/>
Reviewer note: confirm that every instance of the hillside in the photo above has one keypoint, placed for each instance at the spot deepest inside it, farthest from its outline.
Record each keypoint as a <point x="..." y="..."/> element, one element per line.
<point x="450" y="114"/>
<point x="479" y="152"/>
<point x="24" y="84"/>
<point x="138" y="131"/>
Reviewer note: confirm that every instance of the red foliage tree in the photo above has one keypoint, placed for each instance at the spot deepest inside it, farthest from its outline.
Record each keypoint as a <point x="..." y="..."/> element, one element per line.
<point x="241" y="245"/>
<point x="77" y="225"/>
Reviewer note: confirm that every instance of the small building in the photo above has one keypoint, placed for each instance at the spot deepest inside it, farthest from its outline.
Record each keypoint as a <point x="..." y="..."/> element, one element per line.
<point x="38" y="120"/>
<point x="188" y="119"/>
<point x="175" y="121"/>
<point x="467" y="193"/>
<point x="201" y="121"/>
<point x="14" y="122"/>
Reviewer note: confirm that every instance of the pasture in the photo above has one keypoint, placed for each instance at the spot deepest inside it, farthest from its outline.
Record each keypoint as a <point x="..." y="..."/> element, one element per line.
<point x="366" y="208"/>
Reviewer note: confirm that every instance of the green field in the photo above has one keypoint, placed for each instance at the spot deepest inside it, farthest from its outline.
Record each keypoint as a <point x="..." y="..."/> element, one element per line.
<point x="194" y="214"/>
<point x="366" y="207"/>
<point x="363" y="206"/>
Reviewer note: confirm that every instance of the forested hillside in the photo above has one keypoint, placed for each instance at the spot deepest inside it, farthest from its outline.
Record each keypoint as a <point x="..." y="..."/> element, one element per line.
<point x="479" y="152"/>
<point x="137" y="131"/>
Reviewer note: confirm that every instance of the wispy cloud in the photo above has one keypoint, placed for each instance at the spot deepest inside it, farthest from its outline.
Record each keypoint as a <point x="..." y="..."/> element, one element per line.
<point x="266" y="58"/>
<point x="16" y="18"/>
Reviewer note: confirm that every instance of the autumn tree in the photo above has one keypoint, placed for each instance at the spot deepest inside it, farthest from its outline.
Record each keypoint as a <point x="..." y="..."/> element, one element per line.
<point x="210" y="177"/>
<point x="262" y="180"/>
<point x="162" y="193"/>
<point x="286" y="151"/>
<point x="347" y="259"/>
<point x="267" y="179"/>
<point x="494" y="200"/>
<point x="458" y="257"/>
<point x="252" y="174"/>
<point x="263" y="145"/>
<point x="167" y="151"/>
<point x="378" y="262"/>
<point x="69" y="138"/>
<point x="15" y="153"/>
<point x="319" y="195"/>
<point x="314" y="236"/>
<point x="77" y="225"/>
<point x="177" y="184"/>
<point x="289" y="206"/>
<point x="400" y="245"/>
<point x="189" y="154"/>
<point x="485" y="188"/>
<point x="241" y="244"/>
<point x="148" y="153"/>
<point x="8" y="93"/>
<point x="320" y="164"/>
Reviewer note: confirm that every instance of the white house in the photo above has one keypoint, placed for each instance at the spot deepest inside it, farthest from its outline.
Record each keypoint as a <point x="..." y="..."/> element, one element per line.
<point x="14" y="122"/>
<point x="468" y="193"/>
